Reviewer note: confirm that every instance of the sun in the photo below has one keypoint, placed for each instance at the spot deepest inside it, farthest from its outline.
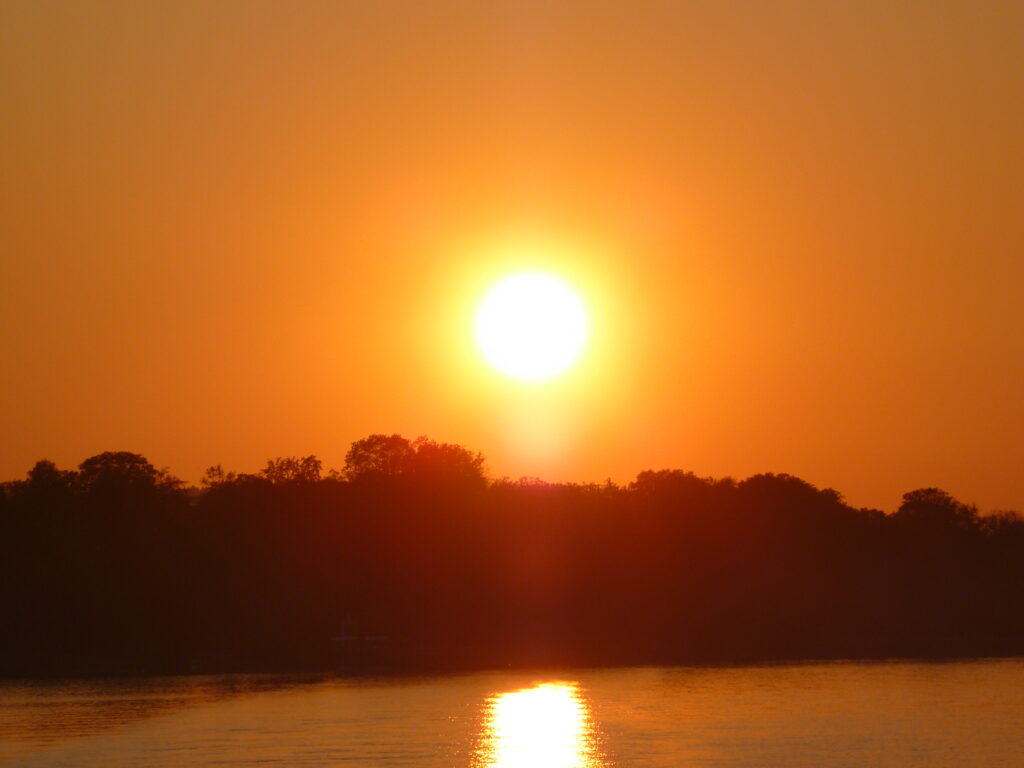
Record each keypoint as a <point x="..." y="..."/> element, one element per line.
<point x="531" y="326"/>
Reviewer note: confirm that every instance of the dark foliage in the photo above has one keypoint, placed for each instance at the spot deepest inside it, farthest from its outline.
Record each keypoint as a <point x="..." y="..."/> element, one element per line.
<point x="409" y="558"/>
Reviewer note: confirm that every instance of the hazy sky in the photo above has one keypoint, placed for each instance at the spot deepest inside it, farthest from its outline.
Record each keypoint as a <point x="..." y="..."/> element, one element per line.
<point x="230" y="231"/>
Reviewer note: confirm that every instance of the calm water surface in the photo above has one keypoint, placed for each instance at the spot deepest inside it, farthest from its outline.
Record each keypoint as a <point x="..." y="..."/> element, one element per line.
<point x="961" y="714"/>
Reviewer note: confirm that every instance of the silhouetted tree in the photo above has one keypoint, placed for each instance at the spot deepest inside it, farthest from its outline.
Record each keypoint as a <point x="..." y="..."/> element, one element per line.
<point x="215" y="475"/>
<point x="110" y="568"/>
<point x="382" y="457"/>
<point x="119" y="479"/>
<point x="445" y="463"/>
<point x="46" y="487"/>
<point x="936" y="508"/>
<point x="378" y="457"/>
<point x="292" y="470"/>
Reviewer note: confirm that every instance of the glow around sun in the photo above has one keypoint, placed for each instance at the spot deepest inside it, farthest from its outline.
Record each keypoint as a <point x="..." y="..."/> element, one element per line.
<point x="531" y="326"/>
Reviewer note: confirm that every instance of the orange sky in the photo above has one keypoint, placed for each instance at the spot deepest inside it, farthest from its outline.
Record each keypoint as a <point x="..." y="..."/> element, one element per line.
<point x="230" y="231"/>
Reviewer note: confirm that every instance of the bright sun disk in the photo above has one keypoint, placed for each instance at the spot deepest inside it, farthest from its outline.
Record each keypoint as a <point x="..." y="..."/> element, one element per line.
<point x="531" y="326"/>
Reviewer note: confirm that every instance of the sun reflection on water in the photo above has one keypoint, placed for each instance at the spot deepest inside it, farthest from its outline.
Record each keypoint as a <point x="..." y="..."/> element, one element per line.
<point x="546" y="726"/>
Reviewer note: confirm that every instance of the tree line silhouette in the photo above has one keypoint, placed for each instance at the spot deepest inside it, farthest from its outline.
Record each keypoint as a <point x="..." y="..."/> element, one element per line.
<point x="409" y="557"/>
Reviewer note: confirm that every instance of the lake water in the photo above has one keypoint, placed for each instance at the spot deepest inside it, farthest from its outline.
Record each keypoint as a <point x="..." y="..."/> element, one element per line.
<point x="957" y="714"/>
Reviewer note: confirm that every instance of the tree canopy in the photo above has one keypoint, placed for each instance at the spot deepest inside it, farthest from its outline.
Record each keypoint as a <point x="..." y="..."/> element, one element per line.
<point x="116" y="567"/>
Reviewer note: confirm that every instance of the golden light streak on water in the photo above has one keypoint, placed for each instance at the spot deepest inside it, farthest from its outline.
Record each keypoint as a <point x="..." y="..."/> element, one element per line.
<point x="546" y="726"/>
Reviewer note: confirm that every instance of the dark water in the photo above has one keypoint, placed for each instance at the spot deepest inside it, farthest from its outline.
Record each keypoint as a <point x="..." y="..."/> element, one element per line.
<point x="961" y="715"/>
